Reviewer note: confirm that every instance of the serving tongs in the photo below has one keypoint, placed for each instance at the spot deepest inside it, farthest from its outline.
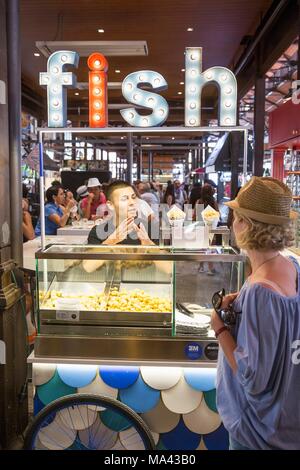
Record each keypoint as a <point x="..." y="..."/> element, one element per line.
<point x="184" y="310"/>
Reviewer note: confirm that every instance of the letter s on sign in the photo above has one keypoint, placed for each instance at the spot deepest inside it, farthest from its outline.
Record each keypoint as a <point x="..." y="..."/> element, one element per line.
<point x="296" y="354"/>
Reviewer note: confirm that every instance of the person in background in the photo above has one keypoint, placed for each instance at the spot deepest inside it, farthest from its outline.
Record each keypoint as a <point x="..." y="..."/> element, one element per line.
<point x="258" y="364"/>
<point x="55" y="217"/>
<point x="180" y="194"/>
<point x="155" y="189"/>
<point x="96" y="197"/>
<point x="196" y="194"/>
<point x="74" y="210"/>
<point x="81" y="192"/>
<point x="169" y="196"/>
<point x="144" y="190"/>
<point x="28" y="230"/>
<point x="207" y="199"/>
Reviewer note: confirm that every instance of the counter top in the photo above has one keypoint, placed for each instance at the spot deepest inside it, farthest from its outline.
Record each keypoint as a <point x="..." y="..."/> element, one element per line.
<point x="32" y="246"/>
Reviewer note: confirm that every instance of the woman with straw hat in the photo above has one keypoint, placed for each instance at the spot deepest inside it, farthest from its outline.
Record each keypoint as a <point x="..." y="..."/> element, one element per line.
<point x="258" y="380"/>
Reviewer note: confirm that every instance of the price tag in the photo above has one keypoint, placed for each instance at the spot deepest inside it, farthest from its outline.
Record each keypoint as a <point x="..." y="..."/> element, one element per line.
<point x="67" y="315"/>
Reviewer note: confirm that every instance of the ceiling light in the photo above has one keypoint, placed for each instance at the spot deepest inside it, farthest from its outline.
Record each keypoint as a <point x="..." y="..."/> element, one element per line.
<point x="36" y="54"/>
<point x="76" y="94"/>
<point x="100" y="30"/>
<point x="179" y="93"/>
<point x="181" y="83"/>
<point x="118" y="71"/>
<point x="182" y="70"/>
<point x="173" y="138"/>
<point x="190" y="30"/>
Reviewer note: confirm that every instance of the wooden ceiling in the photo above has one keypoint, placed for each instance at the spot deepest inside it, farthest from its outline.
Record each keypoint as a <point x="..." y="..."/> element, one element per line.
<point x="218" y="26"/>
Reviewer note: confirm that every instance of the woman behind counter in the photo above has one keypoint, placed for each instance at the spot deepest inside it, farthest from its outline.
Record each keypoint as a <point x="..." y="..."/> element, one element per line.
<point x="258" y="379"/>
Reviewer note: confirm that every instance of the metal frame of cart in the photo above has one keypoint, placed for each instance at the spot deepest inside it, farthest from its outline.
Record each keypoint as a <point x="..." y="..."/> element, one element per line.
<point x="130" y="131"/>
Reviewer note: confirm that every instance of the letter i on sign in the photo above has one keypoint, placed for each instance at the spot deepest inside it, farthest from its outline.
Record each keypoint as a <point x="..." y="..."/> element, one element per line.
<point x="98" y="66"/>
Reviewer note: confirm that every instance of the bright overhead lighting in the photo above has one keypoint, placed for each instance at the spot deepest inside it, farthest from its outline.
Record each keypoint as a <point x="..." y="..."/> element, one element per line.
<point x="100" y="30"/>
<point x="190" y="30"/>
<point x="181" y="83"/>
<point x="182" y="70"/>
<point x="118" y="71"/>
<point x="179" y="93"/>
<point x="173" y="138"/>
<point x="76" y="94"/>
<point x="36" y="54"/>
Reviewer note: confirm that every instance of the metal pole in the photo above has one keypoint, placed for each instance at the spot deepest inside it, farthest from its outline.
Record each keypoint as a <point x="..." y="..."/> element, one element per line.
<point x="259" y="118"/>
<point x="42" y="197"/>
<point x="129" y="157"/>
<point x="14" y="104"/>
<point x="140" y="162"/>
<point x="245" y="160"/>
<point x="149" y="165"/>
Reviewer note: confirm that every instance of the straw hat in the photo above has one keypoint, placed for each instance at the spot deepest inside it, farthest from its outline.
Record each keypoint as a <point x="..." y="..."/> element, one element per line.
<point x="264" y="200"/>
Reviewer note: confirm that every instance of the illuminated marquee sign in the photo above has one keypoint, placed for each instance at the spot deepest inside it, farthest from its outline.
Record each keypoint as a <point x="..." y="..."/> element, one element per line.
<point x="57" y="80"/>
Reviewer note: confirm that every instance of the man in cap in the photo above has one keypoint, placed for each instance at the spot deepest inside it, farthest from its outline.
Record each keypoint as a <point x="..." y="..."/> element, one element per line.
<point x="96" y="197"/>
<point x="81" y="192"/>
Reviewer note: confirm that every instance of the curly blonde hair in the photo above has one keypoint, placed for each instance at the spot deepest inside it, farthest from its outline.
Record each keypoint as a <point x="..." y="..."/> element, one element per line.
<point x="265" y="237"/>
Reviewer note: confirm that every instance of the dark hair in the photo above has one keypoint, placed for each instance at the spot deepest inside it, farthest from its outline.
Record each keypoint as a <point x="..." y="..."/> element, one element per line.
<point x="207" y="196"/>
<point x="117" y="184"/>
<point x="51" y="192"/>
<point x="25" y="190"/>
<point x="169" y="192"/>
<point x="56" y="183"/>
<point x="196" y="193"/>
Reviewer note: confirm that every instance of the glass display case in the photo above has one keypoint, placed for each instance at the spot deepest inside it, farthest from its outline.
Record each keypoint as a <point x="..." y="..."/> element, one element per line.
<point x="125" y="293"/>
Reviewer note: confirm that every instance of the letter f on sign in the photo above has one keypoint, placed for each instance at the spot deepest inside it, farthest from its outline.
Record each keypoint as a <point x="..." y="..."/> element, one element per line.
<point x="56" y="81"/>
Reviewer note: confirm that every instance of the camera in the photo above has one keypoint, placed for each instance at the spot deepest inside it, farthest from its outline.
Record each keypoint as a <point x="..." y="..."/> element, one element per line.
<point x="227" y="315"/>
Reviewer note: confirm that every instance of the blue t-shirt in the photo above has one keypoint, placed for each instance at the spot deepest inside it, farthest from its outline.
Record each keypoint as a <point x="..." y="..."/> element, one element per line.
<point x="260" y="403"/>
<point x="50" y="226"/>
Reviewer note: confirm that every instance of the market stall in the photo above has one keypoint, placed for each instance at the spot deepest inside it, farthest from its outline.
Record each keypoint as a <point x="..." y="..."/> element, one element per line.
<point x="137" y="328"/>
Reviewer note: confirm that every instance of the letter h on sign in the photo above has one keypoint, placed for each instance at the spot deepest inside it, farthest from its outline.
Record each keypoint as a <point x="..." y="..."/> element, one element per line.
<point x="195" y="80"/>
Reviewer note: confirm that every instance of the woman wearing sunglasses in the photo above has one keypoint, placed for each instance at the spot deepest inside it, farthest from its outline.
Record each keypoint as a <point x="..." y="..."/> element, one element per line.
<point x="258" y="381"/>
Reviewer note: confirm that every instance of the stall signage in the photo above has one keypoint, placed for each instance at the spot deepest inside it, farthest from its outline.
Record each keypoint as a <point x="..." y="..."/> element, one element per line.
<point x="67" y="315"/>
<point x="193" y="351"/>
<point x="57" y="80"/>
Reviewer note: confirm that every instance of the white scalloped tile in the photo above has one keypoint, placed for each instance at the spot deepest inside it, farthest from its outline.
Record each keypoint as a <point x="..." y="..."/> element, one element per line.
<point x="38" y="445"/>
<point x="202" y="420"/>
<point x="118" y="446"/>
<point x="99" y="387"/>
<point x="56" y="436"/>
<point x="98" y="436"/>
<point x="181" y="398"/>
<point x="131" y="440"/>
<point x="202" y="445"/>
<point x="155" y="436"/>
<point x="42" y="373"/>
<point x="160" y="419"/>
<point x="161" y="378"/>
<point x="79" y="417"/>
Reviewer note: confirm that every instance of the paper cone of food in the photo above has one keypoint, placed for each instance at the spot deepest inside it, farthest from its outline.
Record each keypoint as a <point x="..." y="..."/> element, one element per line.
<point x="176" y="216"/>
<point x="210" y="217"/>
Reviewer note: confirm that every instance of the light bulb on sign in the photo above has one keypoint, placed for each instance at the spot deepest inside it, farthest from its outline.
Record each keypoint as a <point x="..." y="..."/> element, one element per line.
<point x="161" y="112"/>
<point x="193" y="105"/>
<point x="151" y="101"/>
<point x="228" y="90"/>
<point x="96" y="79"/>
<point x="192" y="122"/>
<point x="98" y="66"/>
<point x="145" y="121"/>
<point x="228" y="121"/>
<point x="208" y="76"/>
<point x="157" y="81"/>
<point x="55" y="70"/>
<point x="224" y="77"/>
<point x="227" y="103"/>
<point x="64" y="58"/>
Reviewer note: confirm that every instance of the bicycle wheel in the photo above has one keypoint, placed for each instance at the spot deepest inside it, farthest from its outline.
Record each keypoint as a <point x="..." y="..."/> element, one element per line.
<point x="88" y="422"/>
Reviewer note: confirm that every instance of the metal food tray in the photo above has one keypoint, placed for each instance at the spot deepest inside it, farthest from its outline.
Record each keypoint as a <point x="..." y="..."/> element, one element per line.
<point x="114" y="318"/>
